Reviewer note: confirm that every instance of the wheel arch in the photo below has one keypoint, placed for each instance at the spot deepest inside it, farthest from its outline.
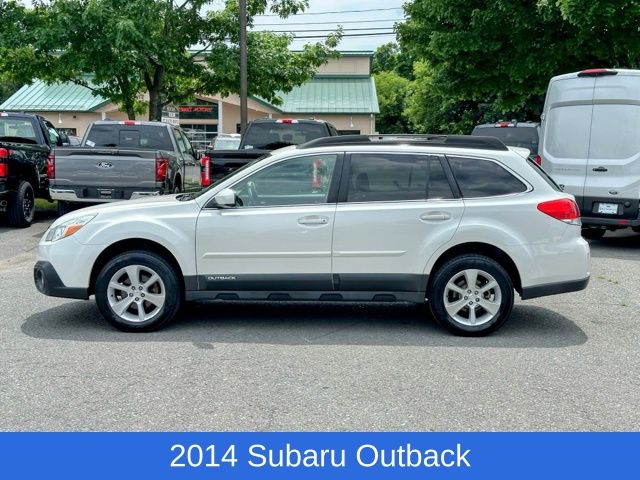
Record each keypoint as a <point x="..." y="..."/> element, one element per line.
<point x="485" y="249"/>
<point x="132" y="244"/>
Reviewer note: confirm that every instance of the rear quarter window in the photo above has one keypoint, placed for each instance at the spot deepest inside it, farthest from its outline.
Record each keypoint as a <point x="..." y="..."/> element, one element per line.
<point x="484" y="178"/>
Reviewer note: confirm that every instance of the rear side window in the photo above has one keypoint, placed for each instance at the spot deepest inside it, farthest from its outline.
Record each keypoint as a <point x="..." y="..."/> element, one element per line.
<point x="134" y="136"/>
<point x="483" y="178"/>
<point x="389" y="177"/>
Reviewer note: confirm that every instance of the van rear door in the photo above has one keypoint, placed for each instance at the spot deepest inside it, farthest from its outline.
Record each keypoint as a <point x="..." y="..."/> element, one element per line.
<point x="566" y="129"/>
<point x="612" y="185"/>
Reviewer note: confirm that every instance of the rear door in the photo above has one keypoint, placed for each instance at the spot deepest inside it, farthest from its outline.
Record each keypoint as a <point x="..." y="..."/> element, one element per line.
<point x="394" y="211"/>
<point x="613" y="169"/>
<point x="566" y="128"/>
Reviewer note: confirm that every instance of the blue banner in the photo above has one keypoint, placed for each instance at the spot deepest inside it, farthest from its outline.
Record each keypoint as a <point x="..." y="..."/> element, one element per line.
<point x="318" y="456"/>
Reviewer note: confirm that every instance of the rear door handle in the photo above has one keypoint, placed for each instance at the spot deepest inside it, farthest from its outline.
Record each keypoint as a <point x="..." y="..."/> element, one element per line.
<point x="313" y="220"/>
<point x="435" y="216"/>
<point x="600" y="169"/>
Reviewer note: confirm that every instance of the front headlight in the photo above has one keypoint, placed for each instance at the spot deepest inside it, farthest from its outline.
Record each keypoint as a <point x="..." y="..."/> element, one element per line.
<point x="67" y="228"/>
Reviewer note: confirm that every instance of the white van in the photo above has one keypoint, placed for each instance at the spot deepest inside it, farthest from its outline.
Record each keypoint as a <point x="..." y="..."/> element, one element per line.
<point x="590" y="145"/>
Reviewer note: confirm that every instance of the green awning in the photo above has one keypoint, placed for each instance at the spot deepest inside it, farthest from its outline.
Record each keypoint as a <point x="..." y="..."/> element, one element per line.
<point x="337" y="94"/>
<point x="56" y="97"/>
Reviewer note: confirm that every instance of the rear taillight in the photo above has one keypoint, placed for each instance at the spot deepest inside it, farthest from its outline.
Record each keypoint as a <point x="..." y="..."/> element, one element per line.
<point x="205" y="171"/>
<point x="51" y="166"/>
<point x="161" y="169"/>
<point x="563" y="209"/>
<point x="538" y="160"/>
<point x="4" y="166"/>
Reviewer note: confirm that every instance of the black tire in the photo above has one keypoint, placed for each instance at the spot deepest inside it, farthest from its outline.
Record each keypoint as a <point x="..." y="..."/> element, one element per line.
<point x="169" y="281"/>
<point x="636" y="229"/>
<point x="22" y="206"/>
<point x="593" y="233"/>
<point x="177" y="186"/>
<point x="65" y="207"/>
<point x="452" y="270"/>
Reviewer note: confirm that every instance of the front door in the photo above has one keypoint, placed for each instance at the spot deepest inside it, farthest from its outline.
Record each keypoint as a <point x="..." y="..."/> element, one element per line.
<point x="278" y="236"/>
<point x="397" y="210"/>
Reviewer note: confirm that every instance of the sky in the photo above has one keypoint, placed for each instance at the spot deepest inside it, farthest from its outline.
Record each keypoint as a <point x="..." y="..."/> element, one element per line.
<point x="380" y="18"/>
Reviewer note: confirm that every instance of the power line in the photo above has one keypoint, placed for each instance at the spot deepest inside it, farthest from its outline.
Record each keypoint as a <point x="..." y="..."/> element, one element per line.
<point x="340" y="11"/>
<point x="348" y="35"/>
<point x="322" y="30"/>
<point x="327" y="23"/>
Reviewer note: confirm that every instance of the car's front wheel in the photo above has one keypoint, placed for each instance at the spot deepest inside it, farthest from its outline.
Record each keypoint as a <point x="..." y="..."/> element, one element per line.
<point x="138" y="291"/>
<point x="471" y="295"/>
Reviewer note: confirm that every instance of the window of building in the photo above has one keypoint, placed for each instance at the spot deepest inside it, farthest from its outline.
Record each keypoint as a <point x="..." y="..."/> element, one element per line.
<point x="200" y="136"/>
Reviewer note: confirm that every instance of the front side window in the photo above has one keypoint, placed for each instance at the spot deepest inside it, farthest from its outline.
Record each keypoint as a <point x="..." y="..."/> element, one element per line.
<point x="296" y="181"/>
<point x="396" y="177"/>
<point x="483" y="178"/>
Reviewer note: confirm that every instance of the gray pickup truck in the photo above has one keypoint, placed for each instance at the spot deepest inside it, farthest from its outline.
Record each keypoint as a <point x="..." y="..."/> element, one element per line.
<point x="121" y="161"/>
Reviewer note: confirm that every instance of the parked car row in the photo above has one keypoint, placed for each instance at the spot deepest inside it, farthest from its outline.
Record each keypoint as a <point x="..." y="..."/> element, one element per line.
<point x="588" y="143"/>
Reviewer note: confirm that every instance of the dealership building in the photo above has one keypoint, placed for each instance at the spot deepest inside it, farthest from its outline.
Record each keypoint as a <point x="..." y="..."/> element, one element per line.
<point x="342" y="92"/>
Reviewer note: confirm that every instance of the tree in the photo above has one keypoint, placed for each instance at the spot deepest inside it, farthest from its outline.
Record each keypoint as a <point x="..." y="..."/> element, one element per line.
<point x="487" y="56"/>
<point x="392" y="92"/>
<point x="167" y="49"/>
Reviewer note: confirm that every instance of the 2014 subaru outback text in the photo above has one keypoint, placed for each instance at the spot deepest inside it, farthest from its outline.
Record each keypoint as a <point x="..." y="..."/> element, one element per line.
<point x="459" y="222"/>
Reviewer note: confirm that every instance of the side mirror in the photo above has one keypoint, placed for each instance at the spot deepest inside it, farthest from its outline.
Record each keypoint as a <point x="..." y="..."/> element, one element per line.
<point x="225" y="198"/>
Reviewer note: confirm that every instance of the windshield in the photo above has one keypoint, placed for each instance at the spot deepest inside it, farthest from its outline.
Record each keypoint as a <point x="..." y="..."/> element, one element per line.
<point x="17" y="128"/>
<point x="525" y="137"/>
<point x="149" y="137"/>
<point x="226" y="143"/>
<point x="271" y="136"/>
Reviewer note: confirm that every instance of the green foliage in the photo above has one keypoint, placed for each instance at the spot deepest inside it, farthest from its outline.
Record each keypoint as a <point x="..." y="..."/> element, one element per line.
<point x="486" y="59"/>
<point x="142" y="51"/>
<point x="392" y="92"/>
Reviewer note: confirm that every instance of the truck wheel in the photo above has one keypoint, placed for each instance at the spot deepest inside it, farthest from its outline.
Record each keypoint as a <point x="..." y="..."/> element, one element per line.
<point x="22" y="206"/>
<point x="138" y="291"/>
<point x="471" y="295"/>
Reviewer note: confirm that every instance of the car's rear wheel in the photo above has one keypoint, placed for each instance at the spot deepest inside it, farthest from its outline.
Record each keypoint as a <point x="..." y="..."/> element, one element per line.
<point x="138" y="291"/>
<point x="593" y="233"/>
<point x="471" y="295"/>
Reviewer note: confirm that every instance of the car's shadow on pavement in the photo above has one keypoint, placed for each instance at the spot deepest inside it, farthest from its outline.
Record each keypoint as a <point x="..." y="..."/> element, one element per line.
<point x="206" y="324"/>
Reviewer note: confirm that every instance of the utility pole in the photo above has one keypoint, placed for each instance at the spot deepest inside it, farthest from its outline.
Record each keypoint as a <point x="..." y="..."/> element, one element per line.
<point x="243" y="65"/>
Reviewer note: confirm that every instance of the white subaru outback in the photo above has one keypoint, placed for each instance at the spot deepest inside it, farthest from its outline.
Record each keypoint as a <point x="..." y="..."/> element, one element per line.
<point x="458" y="222"/>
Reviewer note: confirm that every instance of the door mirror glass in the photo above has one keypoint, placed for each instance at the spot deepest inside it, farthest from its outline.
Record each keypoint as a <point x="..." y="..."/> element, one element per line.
<point x="225" y="198"/>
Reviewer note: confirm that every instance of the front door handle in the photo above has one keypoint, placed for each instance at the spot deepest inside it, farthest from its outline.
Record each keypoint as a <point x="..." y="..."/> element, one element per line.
<point x="435" y="216"/>
<point x="600" y="169"/>
<point x="313" y="220"/>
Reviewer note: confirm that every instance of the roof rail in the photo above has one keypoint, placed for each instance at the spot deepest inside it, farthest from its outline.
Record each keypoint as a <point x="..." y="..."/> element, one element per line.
<point x="455" y="141"/>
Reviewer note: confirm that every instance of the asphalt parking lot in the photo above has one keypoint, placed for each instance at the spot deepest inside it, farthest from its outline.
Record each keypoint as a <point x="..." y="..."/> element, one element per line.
<point x="569" y="362"/>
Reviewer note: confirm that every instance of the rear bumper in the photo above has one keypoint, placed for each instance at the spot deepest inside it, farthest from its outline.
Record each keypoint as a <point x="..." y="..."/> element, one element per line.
<point x="93" y="194"/>
<point x="48" y="282"/>
<point x="628" y="214"/>
<point x="545" y="290"/>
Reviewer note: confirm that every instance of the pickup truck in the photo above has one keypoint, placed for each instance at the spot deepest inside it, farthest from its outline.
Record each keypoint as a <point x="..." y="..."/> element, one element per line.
<point x="26" y="152"/>
<point x="123" y="160"/>
<point x="261" y="138"/>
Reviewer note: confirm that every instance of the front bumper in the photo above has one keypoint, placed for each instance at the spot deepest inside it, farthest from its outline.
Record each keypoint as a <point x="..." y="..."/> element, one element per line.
<point x="48" y="282"/>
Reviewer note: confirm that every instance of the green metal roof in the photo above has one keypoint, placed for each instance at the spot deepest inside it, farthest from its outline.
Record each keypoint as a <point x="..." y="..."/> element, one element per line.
<point x="56" y="97"/>
<point x="333" y="94"/>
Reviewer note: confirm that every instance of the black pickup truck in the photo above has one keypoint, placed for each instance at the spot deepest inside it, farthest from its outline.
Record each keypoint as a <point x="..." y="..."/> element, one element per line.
<point x="261" y="137"/>
<point x="26" y="154"/>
